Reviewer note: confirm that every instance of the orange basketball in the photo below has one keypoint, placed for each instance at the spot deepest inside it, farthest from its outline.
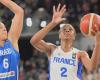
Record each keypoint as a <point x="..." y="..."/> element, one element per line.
<point x="89" y="22"/>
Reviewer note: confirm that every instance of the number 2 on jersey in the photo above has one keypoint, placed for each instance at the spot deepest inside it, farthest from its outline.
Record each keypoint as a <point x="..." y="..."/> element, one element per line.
<point x="63" y="72"/>
<point x="5" y="63"/>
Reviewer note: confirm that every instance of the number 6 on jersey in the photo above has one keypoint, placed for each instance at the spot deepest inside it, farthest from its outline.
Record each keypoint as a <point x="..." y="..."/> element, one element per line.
<point x="5" y="63"/>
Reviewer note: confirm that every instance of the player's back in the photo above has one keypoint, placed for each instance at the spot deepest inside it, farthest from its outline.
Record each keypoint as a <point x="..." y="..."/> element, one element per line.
<point x="9" y="60"/>
<point x="65" y="66"/>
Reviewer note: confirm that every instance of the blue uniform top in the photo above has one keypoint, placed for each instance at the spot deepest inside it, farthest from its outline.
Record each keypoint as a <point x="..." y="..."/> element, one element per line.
<point x="9" y="60"/>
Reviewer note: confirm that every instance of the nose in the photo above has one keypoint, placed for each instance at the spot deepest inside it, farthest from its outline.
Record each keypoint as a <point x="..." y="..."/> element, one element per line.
<point x="67" y="30"/>
<point x="4" y="29"/>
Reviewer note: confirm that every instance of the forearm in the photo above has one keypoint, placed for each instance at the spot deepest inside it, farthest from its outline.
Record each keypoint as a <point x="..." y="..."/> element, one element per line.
<point x="95" y="56"/>
<point x="12" y="6"/>
<point x="42" y="33"/>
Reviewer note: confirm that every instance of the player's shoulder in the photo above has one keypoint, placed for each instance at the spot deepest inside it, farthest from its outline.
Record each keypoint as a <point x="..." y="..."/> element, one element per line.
<point x="82" y="53"/>
<point x="79" y="51"/>
<point x="76" y="50"/>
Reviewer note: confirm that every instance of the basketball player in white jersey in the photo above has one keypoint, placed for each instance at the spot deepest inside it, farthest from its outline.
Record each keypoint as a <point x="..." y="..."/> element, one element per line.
<point x="65" y="61"/>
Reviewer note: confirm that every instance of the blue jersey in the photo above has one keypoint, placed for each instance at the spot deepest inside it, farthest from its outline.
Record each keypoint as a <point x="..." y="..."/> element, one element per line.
<point x="9" y="60"/>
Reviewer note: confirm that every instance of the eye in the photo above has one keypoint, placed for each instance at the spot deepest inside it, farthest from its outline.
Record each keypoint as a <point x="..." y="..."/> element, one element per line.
<point x="0" y="27"/>
<point x="64" y="29"/>
<point x="70" y="29"/>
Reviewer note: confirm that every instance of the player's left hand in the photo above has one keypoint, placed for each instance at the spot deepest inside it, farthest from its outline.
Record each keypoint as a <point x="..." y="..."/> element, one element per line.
<point x="98" y="31"/>
<point x="97" y="36"/>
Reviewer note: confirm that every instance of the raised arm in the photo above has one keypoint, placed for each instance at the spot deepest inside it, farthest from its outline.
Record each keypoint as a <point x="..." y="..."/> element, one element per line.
<point x="37" y="39"/>
<point x="17" y="22"/>
<point x="91" y="64"/>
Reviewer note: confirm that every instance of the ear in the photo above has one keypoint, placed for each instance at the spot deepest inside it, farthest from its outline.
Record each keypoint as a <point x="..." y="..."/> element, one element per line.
<point x="59" y="35"/>
<point x="74" y="37"/>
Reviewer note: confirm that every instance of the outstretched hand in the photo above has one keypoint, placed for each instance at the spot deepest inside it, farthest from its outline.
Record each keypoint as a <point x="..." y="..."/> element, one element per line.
<point x="97" y="32"/>
<point x="58" y="13"/>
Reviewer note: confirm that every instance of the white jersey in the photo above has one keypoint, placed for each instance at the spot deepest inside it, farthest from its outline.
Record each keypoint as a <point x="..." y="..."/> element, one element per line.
<point x="65" y="66"/>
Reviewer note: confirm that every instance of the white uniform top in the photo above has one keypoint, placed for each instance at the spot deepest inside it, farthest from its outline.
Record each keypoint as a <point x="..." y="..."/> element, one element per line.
<point x="65" y="66"/>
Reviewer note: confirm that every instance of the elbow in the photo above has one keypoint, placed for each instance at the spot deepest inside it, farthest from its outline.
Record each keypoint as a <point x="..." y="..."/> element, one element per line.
<point x="32" y="42"/>
<point x="19" y="11"/>
<point x="92" y="68"/>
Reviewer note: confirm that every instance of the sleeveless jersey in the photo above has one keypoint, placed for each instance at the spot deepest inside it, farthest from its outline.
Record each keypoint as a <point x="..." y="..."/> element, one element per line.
<point x="9" y="60"/>
<point x="65" y="66"/>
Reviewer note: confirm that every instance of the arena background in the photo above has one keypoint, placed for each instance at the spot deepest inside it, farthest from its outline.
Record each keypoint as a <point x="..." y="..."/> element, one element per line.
<point x="33" y="64"/>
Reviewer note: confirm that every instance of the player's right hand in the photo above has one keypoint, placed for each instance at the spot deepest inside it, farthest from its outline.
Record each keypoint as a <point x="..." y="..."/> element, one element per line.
<point x="58" y="13"/>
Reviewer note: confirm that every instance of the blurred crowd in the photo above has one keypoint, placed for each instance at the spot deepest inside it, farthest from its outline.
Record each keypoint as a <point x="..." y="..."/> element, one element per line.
<point x="39" y="10"/>
<point x="33" y="64"/>
<point x="36" y="68"/>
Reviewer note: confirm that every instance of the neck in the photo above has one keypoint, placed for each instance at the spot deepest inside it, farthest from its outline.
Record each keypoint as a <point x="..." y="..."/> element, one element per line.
<point x="66" y="45"/>
<point x="2" y="43"/>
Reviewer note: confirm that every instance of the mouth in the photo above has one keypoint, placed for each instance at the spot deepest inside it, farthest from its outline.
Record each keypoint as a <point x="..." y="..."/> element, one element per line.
<point x="4" y="31"/>
<point x="67" y="34"/>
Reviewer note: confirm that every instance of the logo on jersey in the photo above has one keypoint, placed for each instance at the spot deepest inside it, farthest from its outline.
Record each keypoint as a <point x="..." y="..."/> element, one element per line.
<point x="7" y="74"/>
<point x="5" y="52"/>
<point x="74" y="56"/>
<point x="64" y="61"/>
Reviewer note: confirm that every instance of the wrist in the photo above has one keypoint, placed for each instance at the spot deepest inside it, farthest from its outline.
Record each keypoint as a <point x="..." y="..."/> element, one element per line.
<point x="53" y="23"/>
<point x="97" y="43"/>
<point x="4" y="1"/>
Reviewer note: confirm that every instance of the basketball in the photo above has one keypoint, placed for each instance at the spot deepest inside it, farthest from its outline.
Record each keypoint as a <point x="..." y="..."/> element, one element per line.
<point x="89" y="22"/>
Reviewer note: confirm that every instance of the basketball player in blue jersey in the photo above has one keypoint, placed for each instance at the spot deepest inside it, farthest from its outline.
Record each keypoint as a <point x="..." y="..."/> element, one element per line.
<point x="65" y="61"/>
<point x="9" y="51"/>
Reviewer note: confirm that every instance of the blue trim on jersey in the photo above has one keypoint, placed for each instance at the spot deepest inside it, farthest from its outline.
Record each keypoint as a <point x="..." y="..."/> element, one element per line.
<point x="49" y="69"/>
<point x="79" y="72"/>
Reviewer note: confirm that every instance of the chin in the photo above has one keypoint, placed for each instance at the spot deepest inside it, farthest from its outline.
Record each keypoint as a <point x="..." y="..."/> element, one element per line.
<point x="5" y="38"/>
<point x="68" y="39"/>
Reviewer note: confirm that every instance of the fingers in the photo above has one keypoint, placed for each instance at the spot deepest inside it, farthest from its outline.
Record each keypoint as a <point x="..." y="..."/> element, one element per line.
<point x="63" y="8"/>
<point x="98" y="20"/>
<point x="93" y="32"/>
<point x="54" y="9"/>
<point x="97" y="30"/>
<point x="58" y="8"/>
<point x="97" y="25"/>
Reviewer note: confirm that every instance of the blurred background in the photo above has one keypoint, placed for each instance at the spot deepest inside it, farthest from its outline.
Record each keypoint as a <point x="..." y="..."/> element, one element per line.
<point x="33" y="64"/>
